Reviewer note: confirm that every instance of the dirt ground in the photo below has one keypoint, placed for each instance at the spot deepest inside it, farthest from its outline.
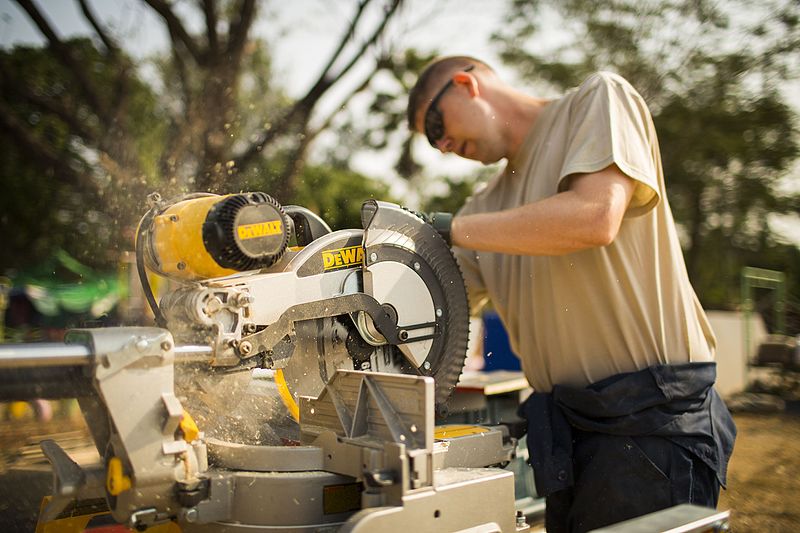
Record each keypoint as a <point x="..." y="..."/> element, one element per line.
<point x="763" y="479"/>
<point x="764" y="474"/>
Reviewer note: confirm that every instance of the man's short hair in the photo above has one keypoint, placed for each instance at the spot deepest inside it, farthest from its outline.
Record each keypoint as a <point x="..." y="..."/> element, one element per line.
<point x="424" y="88"/>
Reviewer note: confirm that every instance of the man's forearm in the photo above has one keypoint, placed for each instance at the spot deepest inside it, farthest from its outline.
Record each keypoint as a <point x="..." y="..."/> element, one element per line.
<point x="587" y="215"/>
<point x="556" y="226"/>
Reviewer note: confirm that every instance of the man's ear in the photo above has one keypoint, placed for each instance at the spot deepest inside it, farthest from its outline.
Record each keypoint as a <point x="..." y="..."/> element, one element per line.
<point x="469" y="81"/>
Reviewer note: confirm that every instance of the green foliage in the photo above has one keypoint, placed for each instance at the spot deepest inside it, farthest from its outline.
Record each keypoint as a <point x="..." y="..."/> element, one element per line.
<point x="385" y="125"/>
<point x="712" y="78"/>
<point x="55" y="195"/>
<point x="337" y="194"/>
<point x="457" y="191"/>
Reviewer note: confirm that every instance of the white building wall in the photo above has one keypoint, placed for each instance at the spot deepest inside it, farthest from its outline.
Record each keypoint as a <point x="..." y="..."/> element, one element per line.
<point x="732" y="355"/>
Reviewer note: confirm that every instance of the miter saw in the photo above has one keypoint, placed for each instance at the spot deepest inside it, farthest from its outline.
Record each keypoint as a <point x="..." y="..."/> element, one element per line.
<point x="388" y="298"/>
<point x="362" y="335"/>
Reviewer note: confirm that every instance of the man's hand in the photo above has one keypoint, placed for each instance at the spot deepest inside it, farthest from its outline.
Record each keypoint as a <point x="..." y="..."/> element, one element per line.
<point x="587" y="215"/>
<point x="440" y="221"/>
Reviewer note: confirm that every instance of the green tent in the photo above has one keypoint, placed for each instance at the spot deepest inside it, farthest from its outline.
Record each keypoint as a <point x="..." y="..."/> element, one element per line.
<point x="63" y="286"/>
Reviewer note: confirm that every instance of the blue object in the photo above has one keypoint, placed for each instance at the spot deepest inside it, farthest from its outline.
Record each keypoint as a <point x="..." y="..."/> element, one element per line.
<point x="497" y="354"/>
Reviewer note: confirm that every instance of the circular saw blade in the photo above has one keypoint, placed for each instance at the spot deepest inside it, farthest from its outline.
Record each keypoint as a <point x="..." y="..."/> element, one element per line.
<point x="395" y="234"/>
<point x="411" y="271"/>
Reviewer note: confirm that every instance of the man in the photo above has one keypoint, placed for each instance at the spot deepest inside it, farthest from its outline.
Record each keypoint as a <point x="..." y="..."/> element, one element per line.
<point x="575" y="245"/>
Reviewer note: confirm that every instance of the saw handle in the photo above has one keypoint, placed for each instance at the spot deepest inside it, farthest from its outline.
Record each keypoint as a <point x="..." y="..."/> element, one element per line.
<point x="308" y="226"/>
<point x="442" y="223"/>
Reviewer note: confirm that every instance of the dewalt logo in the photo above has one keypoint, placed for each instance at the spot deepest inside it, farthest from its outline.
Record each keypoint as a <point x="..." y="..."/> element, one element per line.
<point x="343" y="257"/>
<point x="259" y="229"/>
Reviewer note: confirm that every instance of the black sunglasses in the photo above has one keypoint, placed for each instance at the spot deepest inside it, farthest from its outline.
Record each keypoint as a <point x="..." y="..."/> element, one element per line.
<point x="434" y="122"/>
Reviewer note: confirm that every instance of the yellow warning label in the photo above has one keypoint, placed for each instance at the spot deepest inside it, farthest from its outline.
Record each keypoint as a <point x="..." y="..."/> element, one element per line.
<point x="259" y="229"/>
<point x="343" y="257"/>
<point x="453" y="431"/>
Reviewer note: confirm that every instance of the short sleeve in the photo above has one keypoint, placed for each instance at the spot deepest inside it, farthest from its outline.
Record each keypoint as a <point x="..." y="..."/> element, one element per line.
<point x="610" y="123"/>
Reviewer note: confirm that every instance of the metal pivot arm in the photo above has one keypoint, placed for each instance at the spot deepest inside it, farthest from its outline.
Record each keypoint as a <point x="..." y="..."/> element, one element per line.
<point x="266" y="339"/>
<point x="57" y="370"/>
<point x="44" y="370"/>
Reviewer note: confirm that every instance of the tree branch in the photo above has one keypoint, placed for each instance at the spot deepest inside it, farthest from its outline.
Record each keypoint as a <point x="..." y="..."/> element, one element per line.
<point x="121" y="84"/>
<point x="108" y="42"/>
<point x="62" y="113"/>
<point x="351" y="30"/>
<point x="64" y="54"/>
<point x="361" y="88"/>
<point x="179" y="136"/>
<point x="297" y="155"/>
<point x="210" y="12"/>
<point x="45" y="154"/>
<point x="279" y="127"/>
<point x="371" y="41"/>
<point x="57" y="108"/>
<point x="180" y="67"/>
<point x="237" y="35"/>
<point x="176" y="26"/>
<point x="302" y="108"/>
<point x="110" y="165"/>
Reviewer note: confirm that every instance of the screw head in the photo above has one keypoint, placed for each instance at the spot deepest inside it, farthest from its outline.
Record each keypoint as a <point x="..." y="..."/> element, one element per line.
<point x="191" y="515"/>
<point x="426" y="365"/>
<point x="245" y="348"/>
<point x="373" y="257"/>
<point x="213" y="305"/>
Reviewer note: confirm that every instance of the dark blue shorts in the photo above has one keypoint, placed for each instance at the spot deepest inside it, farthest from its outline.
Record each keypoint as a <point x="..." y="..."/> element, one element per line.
<point x="618" y="478"/>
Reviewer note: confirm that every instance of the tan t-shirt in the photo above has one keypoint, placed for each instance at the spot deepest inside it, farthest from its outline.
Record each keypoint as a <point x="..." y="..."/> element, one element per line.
<point x="581" y="317"/>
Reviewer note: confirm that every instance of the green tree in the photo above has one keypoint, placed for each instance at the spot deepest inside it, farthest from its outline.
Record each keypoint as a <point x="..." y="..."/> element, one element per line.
<point x="336" y="194"/>
<point x="85" y="137"/>
<point x="712" y="78"/>
<point x="385" y="126"/>
<point x="58" y="192"/>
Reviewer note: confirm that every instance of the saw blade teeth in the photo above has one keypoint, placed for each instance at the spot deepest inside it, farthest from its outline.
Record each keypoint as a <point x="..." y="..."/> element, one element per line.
<point x="389" y="236"/>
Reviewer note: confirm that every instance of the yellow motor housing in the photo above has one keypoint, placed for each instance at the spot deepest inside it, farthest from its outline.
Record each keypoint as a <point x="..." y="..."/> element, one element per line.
<point x="214" y="236"/>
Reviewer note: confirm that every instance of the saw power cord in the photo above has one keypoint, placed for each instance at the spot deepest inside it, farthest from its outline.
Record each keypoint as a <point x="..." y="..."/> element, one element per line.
<point x="145" y="225"/>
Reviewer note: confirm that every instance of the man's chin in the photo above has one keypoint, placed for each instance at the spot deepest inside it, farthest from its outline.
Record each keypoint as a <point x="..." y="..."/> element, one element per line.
<point x="488" y="160"/>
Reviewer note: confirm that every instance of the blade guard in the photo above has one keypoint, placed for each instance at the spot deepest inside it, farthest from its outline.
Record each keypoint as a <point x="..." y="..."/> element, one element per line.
<point x="392" y="233"/>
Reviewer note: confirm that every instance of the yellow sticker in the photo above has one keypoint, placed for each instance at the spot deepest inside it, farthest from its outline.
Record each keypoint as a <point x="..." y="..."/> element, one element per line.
<point x="259" y="229"/>
<point x="343" y="257"/>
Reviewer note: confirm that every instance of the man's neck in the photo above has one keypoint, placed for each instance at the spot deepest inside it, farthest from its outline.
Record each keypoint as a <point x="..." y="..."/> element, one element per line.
<point x="523" y="112"/>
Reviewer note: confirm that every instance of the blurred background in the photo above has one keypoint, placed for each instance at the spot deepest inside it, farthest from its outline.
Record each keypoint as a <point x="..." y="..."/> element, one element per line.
<point x="103" y="102"/>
